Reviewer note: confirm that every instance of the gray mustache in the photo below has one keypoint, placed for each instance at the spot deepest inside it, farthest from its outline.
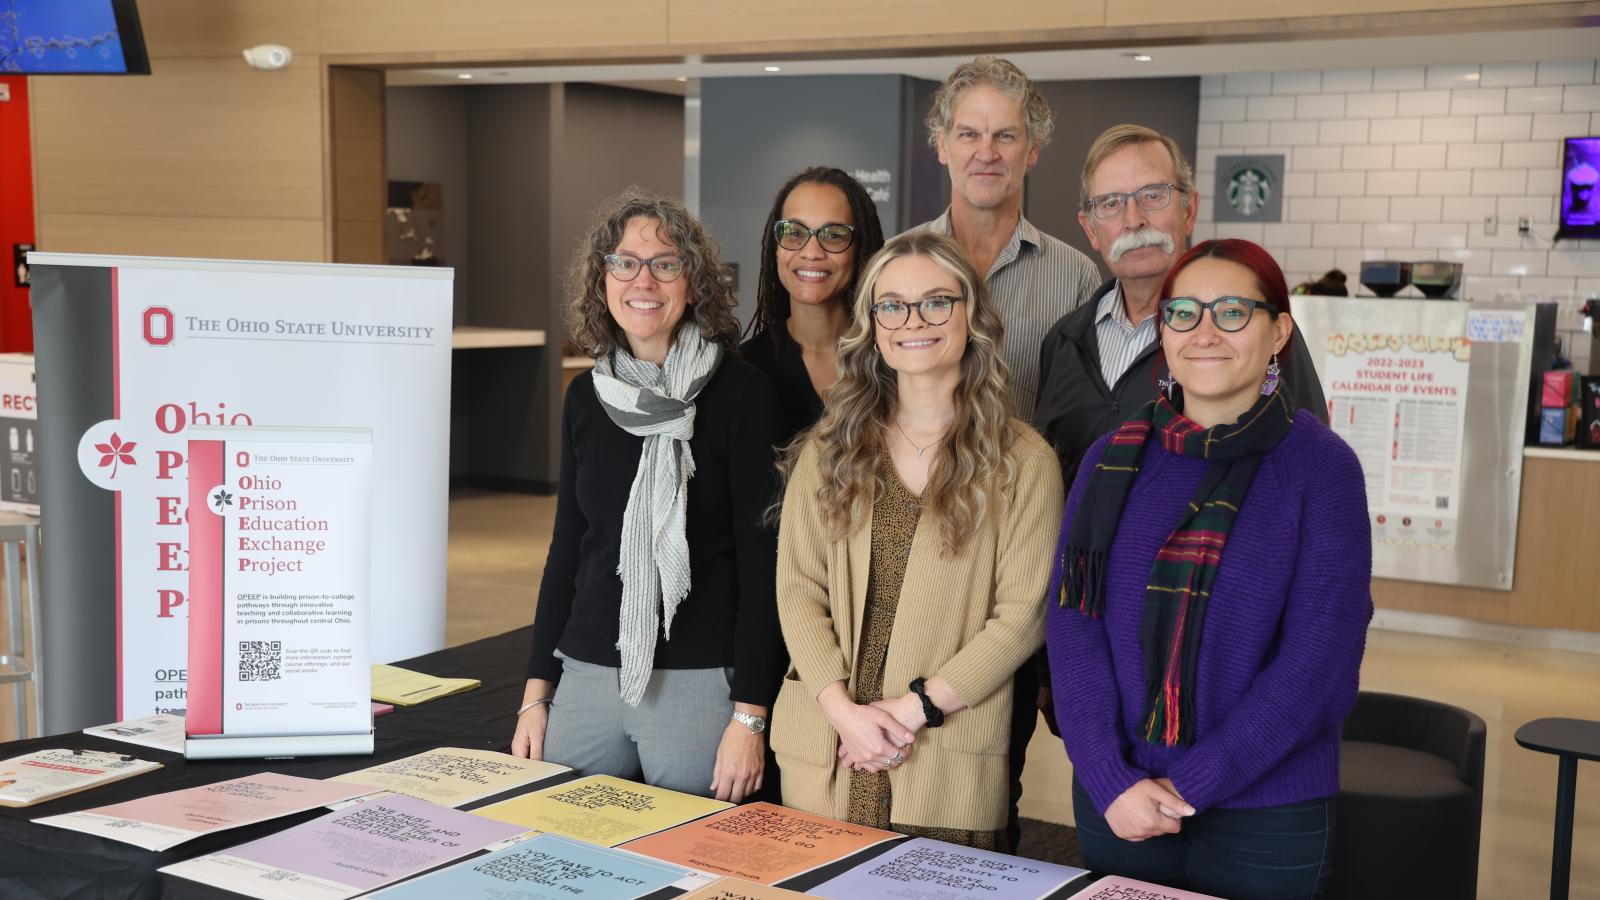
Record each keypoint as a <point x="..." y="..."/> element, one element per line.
<point x="1134" y="240"/>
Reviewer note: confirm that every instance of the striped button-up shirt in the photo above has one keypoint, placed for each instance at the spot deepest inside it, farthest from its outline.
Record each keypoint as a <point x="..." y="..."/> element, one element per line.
<point x="1120" y="340"/>
<point x="1035" y="281"/>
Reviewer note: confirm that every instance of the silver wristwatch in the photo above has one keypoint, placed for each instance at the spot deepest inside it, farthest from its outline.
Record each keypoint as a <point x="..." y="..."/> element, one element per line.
<point x="756" y="724"/>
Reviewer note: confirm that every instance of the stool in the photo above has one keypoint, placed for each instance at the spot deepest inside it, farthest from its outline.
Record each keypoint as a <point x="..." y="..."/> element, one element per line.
<point x="19" y="665"/>
<point x="1570" y="740"/>
<point x="1410" y="801"/>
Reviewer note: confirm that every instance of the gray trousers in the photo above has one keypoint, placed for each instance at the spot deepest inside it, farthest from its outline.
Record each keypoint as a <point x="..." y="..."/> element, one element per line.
<point x="670" y="738"/>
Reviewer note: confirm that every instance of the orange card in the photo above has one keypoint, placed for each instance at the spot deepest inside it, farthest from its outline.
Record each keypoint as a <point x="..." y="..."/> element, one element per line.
<point x="760" y="842"/>
<point x="739" y="889"/>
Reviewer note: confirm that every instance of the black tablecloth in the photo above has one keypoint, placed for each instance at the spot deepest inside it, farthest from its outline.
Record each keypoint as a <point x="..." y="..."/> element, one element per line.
<point x="37" y="861"/>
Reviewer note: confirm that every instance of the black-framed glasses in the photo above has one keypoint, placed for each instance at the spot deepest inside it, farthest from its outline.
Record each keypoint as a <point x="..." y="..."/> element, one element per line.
<point x="893" y="315"/>
<point x="834" y="237"/>
<point x="1227" y="313"/>
<point x="1150" y="198"/>
<point x="626" y="266"/>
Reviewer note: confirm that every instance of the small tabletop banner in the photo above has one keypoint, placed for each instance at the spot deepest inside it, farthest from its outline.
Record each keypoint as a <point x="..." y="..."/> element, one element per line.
<point x="280" y="574"/>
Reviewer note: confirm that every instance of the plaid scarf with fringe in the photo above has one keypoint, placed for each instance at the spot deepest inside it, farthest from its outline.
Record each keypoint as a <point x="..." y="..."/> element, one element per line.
<point x="1179" y="589"/>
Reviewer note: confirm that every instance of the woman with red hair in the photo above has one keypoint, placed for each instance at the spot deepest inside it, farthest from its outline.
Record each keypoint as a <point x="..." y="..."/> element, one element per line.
<point x="1213" y="588"/>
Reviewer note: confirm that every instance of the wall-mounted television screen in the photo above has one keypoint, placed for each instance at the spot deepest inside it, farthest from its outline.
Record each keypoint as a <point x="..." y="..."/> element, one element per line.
<point x="1580" y="202"/>
<point x="71" y="37"/>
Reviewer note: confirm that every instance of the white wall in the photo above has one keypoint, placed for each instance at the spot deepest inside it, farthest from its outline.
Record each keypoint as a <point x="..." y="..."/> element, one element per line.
<point x="1406" y="163"/>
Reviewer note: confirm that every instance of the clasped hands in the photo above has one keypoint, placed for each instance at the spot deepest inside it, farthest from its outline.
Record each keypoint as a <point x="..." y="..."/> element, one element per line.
<point x="1149" y="808"/>
<point x="873" y="737"/>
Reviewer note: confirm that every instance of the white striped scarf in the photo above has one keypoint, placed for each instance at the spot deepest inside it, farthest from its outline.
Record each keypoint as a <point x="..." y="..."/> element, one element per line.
<point x="656" y="402"/>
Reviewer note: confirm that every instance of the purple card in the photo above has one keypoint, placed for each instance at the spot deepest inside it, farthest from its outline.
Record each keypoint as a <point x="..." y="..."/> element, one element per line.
<point x="923" y="869"/>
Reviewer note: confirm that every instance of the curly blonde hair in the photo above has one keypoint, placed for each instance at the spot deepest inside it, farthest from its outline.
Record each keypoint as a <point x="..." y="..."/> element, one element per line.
<point x="711" y="294"/>
<point x="1001" y="74"/>
<point x="975" y="460"/>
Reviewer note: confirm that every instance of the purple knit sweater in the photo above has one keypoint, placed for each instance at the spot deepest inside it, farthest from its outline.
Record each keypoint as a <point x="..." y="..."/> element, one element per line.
<point x="1280" y="651"/>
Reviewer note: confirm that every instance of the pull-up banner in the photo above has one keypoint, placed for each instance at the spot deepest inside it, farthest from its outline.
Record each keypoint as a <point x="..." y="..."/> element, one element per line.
<point x="133" y="351"/>
<point x="280" y="566"/>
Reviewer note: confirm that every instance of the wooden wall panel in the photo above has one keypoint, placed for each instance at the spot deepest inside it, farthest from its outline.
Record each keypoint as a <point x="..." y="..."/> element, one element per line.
<point x="1557" y="584"/>
<point x="488" y="26"/>
<point x="175" y="29"/>
<point x="202" y="137"/>
<point x="887" y="22"/>
<point x="298" y="240"/>
<point x="357" y="143"/>
<point x="1163" y="12"/>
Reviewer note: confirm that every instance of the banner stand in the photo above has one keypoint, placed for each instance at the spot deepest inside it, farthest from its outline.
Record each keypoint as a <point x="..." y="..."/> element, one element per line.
<point x="280" y="576"/>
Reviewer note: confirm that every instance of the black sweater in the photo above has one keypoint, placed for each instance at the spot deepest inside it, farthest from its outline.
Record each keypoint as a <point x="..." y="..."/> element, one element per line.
<point x="730" y="617"/>
<point x="778" y="355"/>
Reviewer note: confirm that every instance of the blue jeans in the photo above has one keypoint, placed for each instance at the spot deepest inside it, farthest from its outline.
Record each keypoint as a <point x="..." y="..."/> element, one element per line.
<point x="1273" y="853"/>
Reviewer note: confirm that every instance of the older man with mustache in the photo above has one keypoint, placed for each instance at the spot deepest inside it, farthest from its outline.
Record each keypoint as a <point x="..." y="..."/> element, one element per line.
<point x="1097" y="364"/>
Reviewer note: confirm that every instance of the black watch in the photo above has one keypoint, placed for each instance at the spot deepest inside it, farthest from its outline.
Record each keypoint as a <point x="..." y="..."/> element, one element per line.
<point x="930" y="711"/>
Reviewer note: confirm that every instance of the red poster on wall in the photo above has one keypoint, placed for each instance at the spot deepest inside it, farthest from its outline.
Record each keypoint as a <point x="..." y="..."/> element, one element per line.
<point x="16" y="215"/>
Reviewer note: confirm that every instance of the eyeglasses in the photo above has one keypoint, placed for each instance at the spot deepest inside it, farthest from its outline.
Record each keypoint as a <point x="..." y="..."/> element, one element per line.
<point x="1150" y="198"/>
<point x="1227" y="313"/>
<point x="833" y="237"/>
<point x="892" y="315"/>
<point x="626" y="266"/>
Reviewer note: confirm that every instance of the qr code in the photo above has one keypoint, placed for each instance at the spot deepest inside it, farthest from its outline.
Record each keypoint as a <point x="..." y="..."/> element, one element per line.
<point x="260" y="660"/>
<point x="1441" y="502"/>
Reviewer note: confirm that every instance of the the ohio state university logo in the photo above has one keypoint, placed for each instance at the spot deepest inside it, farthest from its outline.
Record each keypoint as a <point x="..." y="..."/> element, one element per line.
<point x="158" y="328"/>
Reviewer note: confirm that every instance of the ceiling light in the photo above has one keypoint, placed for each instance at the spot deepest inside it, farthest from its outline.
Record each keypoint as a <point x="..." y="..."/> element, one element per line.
<point x="464" y="76"/>
<point x="772" y="68"/>
<point x="1140" y="57"/>
<point x="682" y="78"/>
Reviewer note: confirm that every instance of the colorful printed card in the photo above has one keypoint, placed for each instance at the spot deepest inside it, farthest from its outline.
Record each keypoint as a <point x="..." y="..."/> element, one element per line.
<point x="403" y="687"/>
<point x="602" y="810"/>
<point x="548" y="867"/>
<point x="162" y="821"/>
<point x="923" y="869"/>
<point x="452" y="776"/>
<point x="47" y="774"/>
<point x="760" y="842"/>
<point x="739" y="889"/>
<point x="348" y="852"/>
<point x="1115" y="887"/>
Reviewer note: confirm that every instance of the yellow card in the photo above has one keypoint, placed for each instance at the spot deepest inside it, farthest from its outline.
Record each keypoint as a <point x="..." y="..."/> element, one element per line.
<point x="404" y="687"/>
<point x="602" y="810"/>
<point x="452" y="776"/>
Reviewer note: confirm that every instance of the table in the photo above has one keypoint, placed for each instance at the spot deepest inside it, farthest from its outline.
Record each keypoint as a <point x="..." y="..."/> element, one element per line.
<point x="37" y="861"/>
<point x="1570" y="740"/>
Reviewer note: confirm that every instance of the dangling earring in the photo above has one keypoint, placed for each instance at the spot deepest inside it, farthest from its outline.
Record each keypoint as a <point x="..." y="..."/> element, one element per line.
<point x="1271" y="384"/>
<point x="1166" y="383"/>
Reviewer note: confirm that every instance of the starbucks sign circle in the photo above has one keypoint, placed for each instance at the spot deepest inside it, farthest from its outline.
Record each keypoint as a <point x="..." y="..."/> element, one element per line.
<point x="1249" y="189"/>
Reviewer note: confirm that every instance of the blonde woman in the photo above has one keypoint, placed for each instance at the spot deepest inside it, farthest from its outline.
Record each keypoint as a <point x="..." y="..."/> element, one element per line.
<point x="913" y="556"/>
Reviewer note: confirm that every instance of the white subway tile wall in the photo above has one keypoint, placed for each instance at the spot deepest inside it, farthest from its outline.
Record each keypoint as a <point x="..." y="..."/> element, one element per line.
<point x="1412" y="163"/>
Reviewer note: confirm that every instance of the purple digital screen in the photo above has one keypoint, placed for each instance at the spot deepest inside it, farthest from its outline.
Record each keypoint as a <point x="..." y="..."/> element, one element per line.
<point x="1580" y="201"/>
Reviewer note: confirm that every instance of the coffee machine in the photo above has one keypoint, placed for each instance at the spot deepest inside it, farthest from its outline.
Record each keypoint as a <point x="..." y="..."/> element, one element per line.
<point x="1385" y="277"/>
<point x="1437" y="279"/>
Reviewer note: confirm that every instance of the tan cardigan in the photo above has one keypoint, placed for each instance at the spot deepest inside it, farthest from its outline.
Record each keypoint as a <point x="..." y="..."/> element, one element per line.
<point x="973" y="618"/>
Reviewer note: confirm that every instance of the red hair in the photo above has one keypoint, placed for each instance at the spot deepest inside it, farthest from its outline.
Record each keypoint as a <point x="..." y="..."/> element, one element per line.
<point x="1269" y="277"/>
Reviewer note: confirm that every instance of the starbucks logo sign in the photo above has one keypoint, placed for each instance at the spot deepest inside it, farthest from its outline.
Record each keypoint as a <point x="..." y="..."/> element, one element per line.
<point x="1249" y="189"/>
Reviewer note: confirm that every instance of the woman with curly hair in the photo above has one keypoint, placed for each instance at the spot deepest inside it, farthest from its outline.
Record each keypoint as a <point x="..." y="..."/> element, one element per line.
<point x="821" y="231"/>
<point x="655" y="644"/>
<point x="913" y="557"/>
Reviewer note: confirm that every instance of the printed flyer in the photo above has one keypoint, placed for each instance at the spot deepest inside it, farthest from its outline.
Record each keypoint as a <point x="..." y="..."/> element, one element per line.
<point x="163" y="821"/>
<point x="346" y="853"/>
<point x="452" y="776"/>
<point x="157" y="732"/>
<point x="280" y="567"/>
<point x="760" y="842"/>
<point x="1116" y="887"/>
<point x="48" y="774"/>
<point x="739" y="889"/>
<point x="1400" y="401"/>
<point x="547" y="867"/>
<point x="923" y="869"/>
<point x="602" y="810"/>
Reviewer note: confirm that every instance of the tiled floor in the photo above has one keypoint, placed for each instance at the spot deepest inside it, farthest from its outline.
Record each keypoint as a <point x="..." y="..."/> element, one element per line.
<point x="497" y="552"/>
